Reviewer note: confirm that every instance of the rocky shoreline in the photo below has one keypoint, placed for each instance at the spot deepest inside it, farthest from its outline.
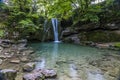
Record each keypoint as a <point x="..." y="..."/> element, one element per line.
<point x="17" y="63"/>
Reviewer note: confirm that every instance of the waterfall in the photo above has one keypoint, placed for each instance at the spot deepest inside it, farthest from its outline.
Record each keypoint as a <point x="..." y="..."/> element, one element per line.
<point x="55" y="29"/>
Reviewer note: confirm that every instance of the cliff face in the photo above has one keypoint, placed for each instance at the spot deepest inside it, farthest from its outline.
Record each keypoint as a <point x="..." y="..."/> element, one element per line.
<point x="110" y="32"/>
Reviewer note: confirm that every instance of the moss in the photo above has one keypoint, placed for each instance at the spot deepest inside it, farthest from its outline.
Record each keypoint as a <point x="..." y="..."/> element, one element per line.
<point x="114" y="37"/>
<point x="100" y="36"/>
<point x="1" y="33"/>
<point x="117" y="45"/>
<point x="97" y="36"/>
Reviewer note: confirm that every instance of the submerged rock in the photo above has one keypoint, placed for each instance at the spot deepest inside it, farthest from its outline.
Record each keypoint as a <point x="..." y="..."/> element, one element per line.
<point x="33" y="76"/>
<point x="40" y="74"/>
<point x="114" y="72"/>
<point x="49" y="73"/>
<point x="29" y="67"/>
<point x="8" y="74"/>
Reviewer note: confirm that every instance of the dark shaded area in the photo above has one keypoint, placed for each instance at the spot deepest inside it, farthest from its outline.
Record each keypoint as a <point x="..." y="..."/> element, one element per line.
<point x="2" y="77"/>
<point x="1" y="0"/>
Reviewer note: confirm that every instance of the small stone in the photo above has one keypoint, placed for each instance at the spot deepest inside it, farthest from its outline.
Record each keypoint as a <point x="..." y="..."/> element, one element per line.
<point x="1" y="61"/>
<point x="16" y="61"/>
<point x="27" y="52"/>
<point x="1" y="49"/>
<point x="9" y="74"/>
<point x="6" y="53"/>
<point x="114" y="72"/>
<point x="5" y="45"/>
<point x="18" y="52"/>
<point x="29" y="67"/>
<point x="24" y="59"/>
<point x="2" y="56"/>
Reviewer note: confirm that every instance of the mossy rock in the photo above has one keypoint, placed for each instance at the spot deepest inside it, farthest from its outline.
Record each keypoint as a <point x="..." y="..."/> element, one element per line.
<point x="100" y="36"/>
<point x="117" y="45"/>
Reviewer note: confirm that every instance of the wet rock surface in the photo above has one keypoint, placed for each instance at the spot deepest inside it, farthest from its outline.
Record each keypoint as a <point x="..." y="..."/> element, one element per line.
<point x="40" y="74"/>
<point x="29" y="67"/>
<point x="33" y="76"/>
<point x="49" y="73"/>
<point x="109" y="64"/>
<point x="12" y="57"/>
<point x="8" y="74"/>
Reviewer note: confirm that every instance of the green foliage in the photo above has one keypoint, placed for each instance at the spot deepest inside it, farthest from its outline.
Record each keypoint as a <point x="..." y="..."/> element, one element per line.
<point x="55" y="8"/>
<point x="27" y="16"/>
<point x="21" y="18"/>
<point x="22" y="5"/>
<point x="28" y="25"/>
<point x="1" y="33"/>
<point x="117" y="44"/>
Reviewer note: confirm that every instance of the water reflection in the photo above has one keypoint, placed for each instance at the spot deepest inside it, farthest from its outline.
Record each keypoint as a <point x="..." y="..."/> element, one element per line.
<point x="54" y="54"/>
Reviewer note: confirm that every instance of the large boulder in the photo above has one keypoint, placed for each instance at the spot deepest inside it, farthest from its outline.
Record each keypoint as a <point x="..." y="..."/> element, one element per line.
<point x="68" y="31"/>
<point x="72" y="39"/>
<point x="29" y="67"/>
<point x="49" y="73"/>
<point x="22" y="43"/>
<point x="8" y="74"/>
<point x="40" y="74"/>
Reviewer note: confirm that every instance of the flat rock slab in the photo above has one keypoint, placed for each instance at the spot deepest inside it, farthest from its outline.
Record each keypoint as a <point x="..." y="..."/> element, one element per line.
<point x="33" y="76"/>
<point x="16" y="61"/>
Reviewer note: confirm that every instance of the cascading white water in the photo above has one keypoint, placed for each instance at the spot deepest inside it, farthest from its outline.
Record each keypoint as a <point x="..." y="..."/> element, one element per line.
<point x="55" y="29"/>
